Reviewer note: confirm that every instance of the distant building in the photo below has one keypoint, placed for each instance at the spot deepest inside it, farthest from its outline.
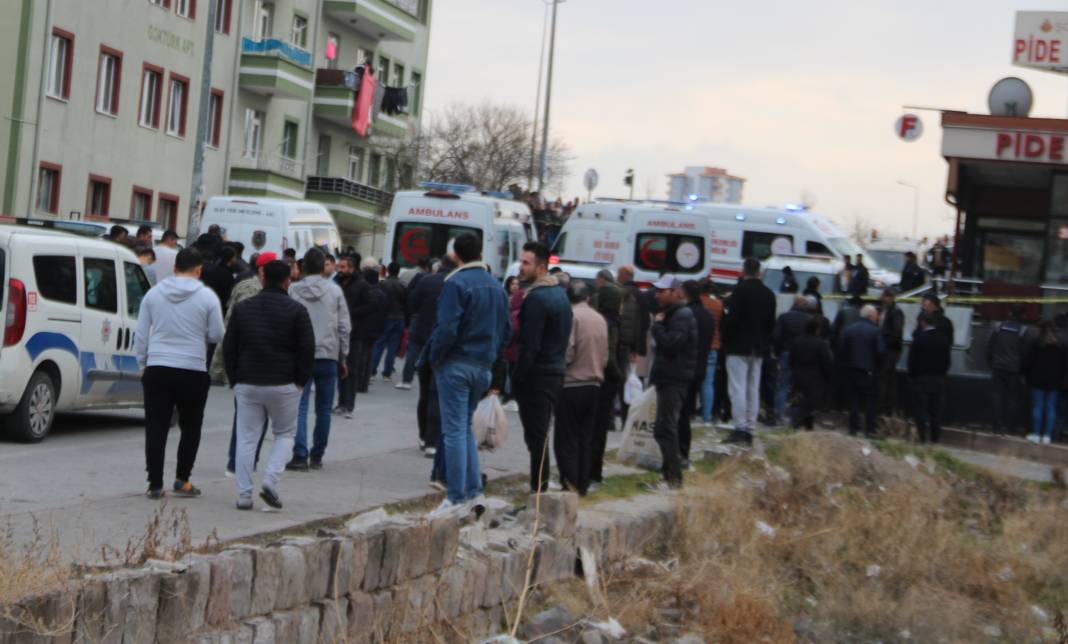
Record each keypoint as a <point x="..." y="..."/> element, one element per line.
<point x="703" y="183"/>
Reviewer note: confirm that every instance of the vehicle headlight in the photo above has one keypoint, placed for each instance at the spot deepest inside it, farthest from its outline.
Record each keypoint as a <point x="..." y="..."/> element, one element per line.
<point x="878" y="284"/>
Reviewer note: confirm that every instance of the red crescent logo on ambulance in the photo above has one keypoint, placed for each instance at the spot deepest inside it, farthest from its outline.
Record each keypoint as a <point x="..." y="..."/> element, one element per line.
<point x="652" y="257"/>
<point x="413" y="245"/>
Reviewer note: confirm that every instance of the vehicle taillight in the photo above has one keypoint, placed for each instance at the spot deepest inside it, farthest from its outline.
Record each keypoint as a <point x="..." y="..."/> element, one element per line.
<point x="645" y="285"/>
<point x="554" y="259"/>
<point x="15" y="320"/>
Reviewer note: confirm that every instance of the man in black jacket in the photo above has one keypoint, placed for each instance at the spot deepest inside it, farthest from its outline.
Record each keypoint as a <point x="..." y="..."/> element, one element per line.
<point x="423" y="305"/>
<point x="912" y="276"/>
<point x="673" y="373"/>
<point x="269" y="351"/>
<point x="355" y="289"/>
<point x="928" y="366"/>
<point x="858" y="285"/>
<point x="788" y="328"/>
<point x="544" y="332"/>
<point x="706" y="333"/>
<point x="892" y="325"/>
<point x="862" y="348"/>
<point x="931" y="304"/>
<point x="747" y="329"/>
<point x="393" y="326"/>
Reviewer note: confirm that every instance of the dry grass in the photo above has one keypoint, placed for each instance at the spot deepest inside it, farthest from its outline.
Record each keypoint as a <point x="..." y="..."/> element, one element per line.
<point x="33" y="568"/>
<point x="865" y="548"/>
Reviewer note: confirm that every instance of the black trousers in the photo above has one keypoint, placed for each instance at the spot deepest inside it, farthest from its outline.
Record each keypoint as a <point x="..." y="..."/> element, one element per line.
<point x="427" y="412"/>
<point x="669" y="401"/>
<point x="576" y="414"/>
<point x="1006" y="393"/>
<point x="888" y="381"/>
<point x="346" y="387"/>
<point x="364" y="365"/>
<point x="862" y="394"/>
<point x="605" y="406"/>
<point x="166" y="388"/>
<point x="537" y="401"/>
<point x="929" y="394"/>
<point x="689" y="405"/>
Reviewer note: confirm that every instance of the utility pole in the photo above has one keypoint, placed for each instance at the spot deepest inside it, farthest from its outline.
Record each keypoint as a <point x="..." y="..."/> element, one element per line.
<point x="628" y="180"/>
<point x="537" y="101"/>
<point x="542" y="168"/>
<point x="196" y="194"/>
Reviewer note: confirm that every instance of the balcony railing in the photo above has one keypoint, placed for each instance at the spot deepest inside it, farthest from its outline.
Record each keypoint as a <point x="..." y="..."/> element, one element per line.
<point x="280" y="164"/>
<point x="409" y="6"/>
<point x="281" y="49"/>
<point x="342" y="186"/>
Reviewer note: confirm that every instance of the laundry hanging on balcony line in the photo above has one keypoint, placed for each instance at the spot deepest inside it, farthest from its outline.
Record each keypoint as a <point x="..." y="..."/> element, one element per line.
<point x="364" y="108"/>
<point x="395" y="100"/>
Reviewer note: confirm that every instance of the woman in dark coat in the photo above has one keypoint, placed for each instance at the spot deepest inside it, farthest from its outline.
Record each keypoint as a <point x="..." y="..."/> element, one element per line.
<point x="810" y="363"/>
<point x="1044" y="367"/>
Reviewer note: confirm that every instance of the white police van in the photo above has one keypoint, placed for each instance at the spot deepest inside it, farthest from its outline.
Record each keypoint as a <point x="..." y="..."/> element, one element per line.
<point x="423" y="223"/>
<point x="69" y="305"/>
<point x="272" y="224"/>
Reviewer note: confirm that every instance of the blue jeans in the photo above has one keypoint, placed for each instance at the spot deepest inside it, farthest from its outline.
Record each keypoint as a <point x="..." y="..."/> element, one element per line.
<point x="461" y="386"/>
<point x="1044" y="408"/>
<point x="390" y="341"/>
<point x="708" y="387"/>
<point x="782" y="386"/>
<point x="324" y="376"/>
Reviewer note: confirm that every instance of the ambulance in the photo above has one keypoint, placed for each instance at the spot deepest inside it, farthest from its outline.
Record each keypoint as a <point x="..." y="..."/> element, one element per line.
<point x="695" y="240"/>
<point x="273" y="224"/>
<point x="423" y="223"/>
<point x="69" y="305"/>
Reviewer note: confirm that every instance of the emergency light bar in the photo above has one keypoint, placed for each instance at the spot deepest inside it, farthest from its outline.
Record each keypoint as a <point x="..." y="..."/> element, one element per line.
<point x="455" y="188"/>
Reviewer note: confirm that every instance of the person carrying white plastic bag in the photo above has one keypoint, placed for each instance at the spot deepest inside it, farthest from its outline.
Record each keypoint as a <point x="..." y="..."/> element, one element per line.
<point x="489" y="423"/>
<point x="639" y="445"/>
<point x="633" y="388"/>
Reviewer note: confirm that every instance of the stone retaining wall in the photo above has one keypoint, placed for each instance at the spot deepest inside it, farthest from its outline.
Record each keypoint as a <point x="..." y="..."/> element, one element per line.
<point x="391" y="579"/>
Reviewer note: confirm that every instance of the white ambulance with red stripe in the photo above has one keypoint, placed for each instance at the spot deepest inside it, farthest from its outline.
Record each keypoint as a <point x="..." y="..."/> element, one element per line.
<point x="694" y="239"/>
<point x="423" y="223"/>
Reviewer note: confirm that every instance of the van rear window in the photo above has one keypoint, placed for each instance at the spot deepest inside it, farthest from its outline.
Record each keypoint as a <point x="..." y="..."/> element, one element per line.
<point x="661" y="252"/>
<point x="414" y="241"/>
<point x="56" y="277"/>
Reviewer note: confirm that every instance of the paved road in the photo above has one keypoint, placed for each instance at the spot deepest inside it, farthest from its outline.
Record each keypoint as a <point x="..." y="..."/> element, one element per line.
<point x="87" y="479"/>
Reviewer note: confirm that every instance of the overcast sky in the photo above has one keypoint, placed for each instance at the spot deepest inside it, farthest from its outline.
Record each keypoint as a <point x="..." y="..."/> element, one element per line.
<point x="794" y="96"/>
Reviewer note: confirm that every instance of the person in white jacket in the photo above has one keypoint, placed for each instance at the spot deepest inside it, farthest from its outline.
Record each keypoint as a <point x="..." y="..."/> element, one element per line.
<point x="329" y="314"/>
<point x="177" y="320"/>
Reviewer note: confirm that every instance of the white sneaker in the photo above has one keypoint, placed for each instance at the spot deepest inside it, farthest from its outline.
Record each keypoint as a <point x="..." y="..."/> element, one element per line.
<point x="593" y="488"/>
<point x="403" y="385"/>
<point x="1033" y="438"/>
<point x="229" y="474"/>
<point x="511" y="405"/>
<point x="446" y="509"/>
<point x="555" y="487"/>
<point x="430" y="452"/>
<point x="439" y="486"/>
<point x="1045" y="440"/>
<point x="349" y="414"/>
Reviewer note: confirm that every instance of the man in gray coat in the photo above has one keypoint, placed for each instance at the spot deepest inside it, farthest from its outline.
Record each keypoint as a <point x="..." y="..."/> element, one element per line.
<point x="330" y="320"/>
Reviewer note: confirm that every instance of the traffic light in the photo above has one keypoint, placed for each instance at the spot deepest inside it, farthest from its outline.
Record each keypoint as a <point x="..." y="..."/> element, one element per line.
<point x="628" y="178"/>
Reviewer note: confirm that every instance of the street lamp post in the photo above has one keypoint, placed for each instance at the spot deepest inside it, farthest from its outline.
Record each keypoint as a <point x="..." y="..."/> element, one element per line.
<point x="548" y="102"/>
<point x="915" y="205"/>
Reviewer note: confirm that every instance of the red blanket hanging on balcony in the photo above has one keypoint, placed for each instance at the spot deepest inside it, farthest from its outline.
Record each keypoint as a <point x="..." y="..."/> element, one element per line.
<point x="361" y="111"/>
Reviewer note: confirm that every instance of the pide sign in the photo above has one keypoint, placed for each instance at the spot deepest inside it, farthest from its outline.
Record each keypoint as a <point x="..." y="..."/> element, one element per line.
<point x="1041" y="40"/>
<point x="1005" y="144"/>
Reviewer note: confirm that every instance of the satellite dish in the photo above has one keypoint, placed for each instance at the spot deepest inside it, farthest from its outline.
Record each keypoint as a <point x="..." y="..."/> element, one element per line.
<point x="1010" y="97"/>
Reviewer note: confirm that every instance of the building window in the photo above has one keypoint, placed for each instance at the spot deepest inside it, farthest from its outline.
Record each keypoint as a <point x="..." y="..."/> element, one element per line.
<point x="98" y="199"/>
<point x="382" y="73"/>
<point x="186" y="8"/>
<point x="374" y="173"/>
<point x="290" y="132"/>
<point x="333" y="50"/>
<point x="253" y="133"/>
<point x="108" y="75"/>
<point x="166" y="4"/>
<point x="215" y="118"/>
<point x="299" y="34"/>
<point x="167" y="214"/>
<point x="262" y="20"/>
<point x="223" y="10"/>
<point x="59" y="64"/>
<point x="398" y="75"/>
<point x="363" y="56"/>
<point x="355" y="172"/>
<point x="322" y="157"/>
<point x="176" y="105"/>
<point x="141" y="204"/>
<point x="417" y="92"/>
<point x="151" y="95"/>
<point x="48" y="177"/>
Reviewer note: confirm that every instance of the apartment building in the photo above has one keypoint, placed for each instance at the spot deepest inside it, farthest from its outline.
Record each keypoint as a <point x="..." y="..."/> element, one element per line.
<point x="105" y="99"/>
<point x="704" y="183"/>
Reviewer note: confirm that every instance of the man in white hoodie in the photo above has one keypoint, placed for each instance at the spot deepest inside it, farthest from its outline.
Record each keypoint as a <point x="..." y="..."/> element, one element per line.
<point x="330" y="320"/>
<point x="177" y="320"/>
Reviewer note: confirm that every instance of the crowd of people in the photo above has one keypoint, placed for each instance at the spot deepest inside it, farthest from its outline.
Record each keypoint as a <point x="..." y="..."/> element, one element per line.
<point x="556" y="350"/>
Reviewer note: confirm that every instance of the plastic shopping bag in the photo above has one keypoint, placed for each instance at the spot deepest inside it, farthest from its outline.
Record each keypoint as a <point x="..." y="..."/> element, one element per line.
<point x="632" y="389"/>
<point x="489" y="423"/>
<point x="639" y="445"/>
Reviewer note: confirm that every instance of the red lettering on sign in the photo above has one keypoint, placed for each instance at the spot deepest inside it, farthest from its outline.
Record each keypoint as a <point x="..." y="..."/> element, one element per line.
<point x="437" y="212"/>
<point x="908" y="123"/>
<point x="1056" y="148"/>
<point x="1037" y="50"/>
<point x="1004" y="141"/>
<point x="1034" y="146"/>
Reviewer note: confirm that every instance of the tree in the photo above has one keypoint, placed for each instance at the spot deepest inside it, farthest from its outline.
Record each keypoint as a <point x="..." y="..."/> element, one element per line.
<point x="487" y="146"/>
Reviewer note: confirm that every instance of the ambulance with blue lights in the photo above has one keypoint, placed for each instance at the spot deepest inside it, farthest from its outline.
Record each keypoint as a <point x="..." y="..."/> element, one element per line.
<point x="69" y="305"/>
<point x="423" y="223"/>
<point x="694" y="240"/>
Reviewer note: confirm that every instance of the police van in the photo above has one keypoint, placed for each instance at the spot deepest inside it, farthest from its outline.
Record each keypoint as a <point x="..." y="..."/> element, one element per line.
<point x="423" y="223"/>
<point x="69" y="305"/>
<point x="273" y="224"/>
<point x="694" y="239"/>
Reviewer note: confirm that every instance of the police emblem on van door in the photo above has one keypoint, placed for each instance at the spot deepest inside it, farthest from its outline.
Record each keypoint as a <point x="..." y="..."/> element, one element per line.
<point x="105" y="330"/>
<point x="259" y="239"/>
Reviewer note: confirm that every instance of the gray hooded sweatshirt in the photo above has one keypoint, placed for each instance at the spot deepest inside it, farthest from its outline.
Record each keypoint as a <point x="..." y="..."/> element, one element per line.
<point x="179" y="317"/>
<point x="329" y="315"/>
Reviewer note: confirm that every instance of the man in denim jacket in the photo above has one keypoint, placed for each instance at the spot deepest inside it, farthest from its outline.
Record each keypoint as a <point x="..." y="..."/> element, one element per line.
<point x="472" y="328"/>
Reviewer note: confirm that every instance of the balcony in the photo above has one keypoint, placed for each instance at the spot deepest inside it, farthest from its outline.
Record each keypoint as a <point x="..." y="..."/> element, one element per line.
<point x="275" y="68"/>
<point x="375" y="19"/>
<point x="335" y="96"/>
<point x="355" y="206"/>
<point x="266" y="176"/>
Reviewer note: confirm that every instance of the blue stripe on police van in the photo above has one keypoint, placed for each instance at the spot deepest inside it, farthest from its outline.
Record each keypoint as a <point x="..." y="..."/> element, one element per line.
<point x="44" y="340"/>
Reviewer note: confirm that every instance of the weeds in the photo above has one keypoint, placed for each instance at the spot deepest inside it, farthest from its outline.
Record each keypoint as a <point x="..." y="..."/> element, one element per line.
<point x="167" y="537"/>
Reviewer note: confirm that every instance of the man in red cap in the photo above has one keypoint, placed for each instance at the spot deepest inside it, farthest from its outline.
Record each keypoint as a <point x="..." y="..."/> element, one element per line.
<point x="243" y="290"/>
